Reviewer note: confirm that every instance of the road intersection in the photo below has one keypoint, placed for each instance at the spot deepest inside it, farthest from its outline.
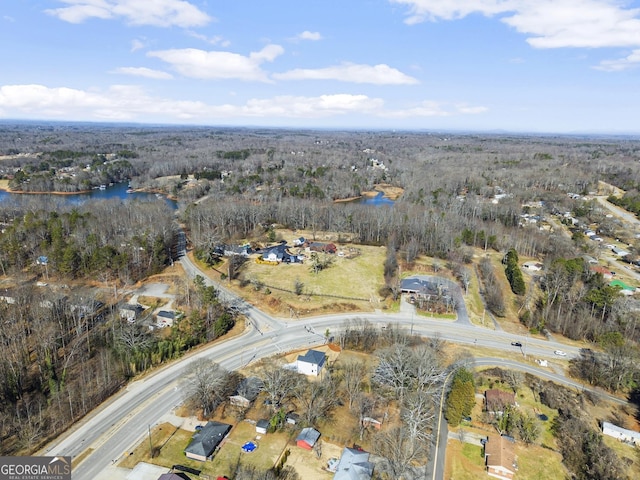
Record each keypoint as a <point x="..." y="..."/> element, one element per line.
<point x="123" y="421"/>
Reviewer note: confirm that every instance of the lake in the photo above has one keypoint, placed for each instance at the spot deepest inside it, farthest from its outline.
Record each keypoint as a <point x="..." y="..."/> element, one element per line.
<point x="116" y="191"/>
<point x="377" y="201"/>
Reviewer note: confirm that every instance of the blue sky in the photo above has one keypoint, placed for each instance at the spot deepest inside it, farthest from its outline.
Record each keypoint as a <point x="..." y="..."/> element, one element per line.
<point x="553" y="66"/>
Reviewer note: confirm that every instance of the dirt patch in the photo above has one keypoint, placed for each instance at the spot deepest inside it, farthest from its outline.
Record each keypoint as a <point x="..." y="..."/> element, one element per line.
<point x="308" y="465"/>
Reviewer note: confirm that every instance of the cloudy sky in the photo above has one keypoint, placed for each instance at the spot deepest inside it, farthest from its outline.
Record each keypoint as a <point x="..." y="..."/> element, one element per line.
<point x="556" y="66"/>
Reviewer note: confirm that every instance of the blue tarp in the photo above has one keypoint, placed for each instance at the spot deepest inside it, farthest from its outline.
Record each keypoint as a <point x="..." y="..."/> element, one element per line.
<point x="249" y="447"/>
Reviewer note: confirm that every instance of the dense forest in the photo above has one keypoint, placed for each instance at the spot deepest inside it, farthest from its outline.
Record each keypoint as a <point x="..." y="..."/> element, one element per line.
<point x="461" y="195"/>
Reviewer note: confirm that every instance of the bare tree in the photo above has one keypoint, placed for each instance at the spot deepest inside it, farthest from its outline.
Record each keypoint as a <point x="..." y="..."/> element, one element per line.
<point x="279" y="383"/>
<point x="400" y="453"/>
<point x="353" y="372"/>
<point x="317" y="399"/>
<point x="209" y="386"/>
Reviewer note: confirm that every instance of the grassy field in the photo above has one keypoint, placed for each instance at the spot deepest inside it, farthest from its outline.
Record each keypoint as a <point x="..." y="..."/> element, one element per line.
<point x="349" y="284"/>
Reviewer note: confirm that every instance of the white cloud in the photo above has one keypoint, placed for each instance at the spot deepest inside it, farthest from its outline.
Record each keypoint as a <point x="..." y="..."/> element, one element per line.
<point x="212" y="65"/>
<point x="137" y="44"/>
<point x="122" y="102"/>
<point x="349" y="72"/>
<point x="215" y="40"/>
<point x="160" y="13"/>
<point x="143" y="72"/>
<point x="549" y="23"/>
<point x="307" y="35"/>
<point x="630" y="61"/>
<point x="131" y="103"/>
<point x="435" y="109"/>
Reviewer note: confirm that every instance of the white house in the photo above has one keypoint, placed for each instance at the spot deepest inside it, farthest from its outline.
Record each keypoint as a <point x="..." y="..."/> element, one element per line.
<point x="311" y="363"/>
<point x="622" y="434"/>
<point x="533" y="266"/>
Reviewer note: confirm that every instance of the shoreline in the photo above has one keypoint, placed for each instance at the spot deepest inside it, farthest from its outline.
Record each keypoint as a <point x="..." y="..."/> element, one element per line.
<point x="388" y="191"/>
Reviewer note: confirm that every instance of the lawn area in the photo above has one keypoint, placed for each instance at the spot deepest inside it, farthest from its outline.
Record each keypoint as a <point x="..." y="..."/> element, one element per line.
<point x="464" y="461"/>
<point x="538" y="463"/>
<point x="359" y="277"/>
<point x="270" y="447"/>
<point x="629" y="455"/>
<point x="169" y="442"/>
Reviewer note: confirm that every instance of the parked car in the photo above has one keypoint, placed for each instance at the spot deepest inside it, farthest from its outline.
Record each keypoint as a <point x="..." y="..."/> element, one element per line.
<point x="516" y="344"/>
<point x="561" y="353"/>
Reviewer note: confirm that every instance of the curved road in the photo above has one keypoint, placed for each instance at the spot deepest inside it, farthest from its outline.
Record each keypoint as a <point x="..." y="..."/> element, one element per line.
<point x="121" y="422"/>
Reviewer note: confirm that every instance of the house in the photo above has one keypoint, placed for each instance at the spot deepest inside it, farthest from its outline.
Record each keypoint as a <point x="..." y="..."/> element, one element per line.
<point x="622" y="434"/>
<point x="205" y="441"/>
<point x="605" y="272"/>
<point x="619" y="252"/>
<point x="280" y="253"/>
<point x="262" y="426"/>
<point x="322" y="247"/>
<point x="496" y="400"/>
<point x="298" y="242"/>
<point x="354" y="464"/>
<point x="130" y="312"/>
<point x="307" y="438"/>
<point x="165" y="318"/>
<point x="311" y="363"/>
<point x="500" y="458"/>
<point x="532" y="266"/>
<point x="174" y="476"/>
<point x="247" y="392"/>
<point x="418" y="286"/>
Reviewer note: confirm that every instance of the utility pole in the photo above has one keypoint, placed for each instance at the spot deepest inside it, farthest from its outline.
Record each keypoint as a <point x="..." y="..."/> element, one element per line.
<point x="150" y="444"/>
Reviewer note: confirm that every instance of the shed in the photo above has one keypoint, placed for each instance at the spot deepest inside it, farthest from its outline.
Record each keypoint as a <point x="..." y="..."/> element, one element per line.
<point x="307" y="438"/>
<point x="292" y="418"/>
<point x="262" y="426"/>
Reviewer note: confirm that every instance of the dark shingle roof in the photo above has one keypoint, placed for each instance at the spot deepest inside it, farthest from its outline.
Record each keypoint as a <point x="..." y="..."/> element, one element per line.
<point x="205" y="441"/>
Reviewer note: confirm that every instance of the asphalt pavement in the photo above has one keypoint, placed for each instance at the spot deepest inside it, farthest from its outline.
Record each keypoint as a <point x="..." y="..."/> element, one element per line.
<point x="123" y="421"/>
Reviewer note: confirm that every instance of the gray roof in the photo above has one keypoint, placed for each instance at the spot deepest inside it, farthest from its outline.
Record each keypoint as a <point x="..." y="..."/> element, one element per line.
<point x="354" y="465"/>
<point x="413" y="284"/>
<point x="314" y="357"/>
<point x="205" y="441"/>
<point x="250" y="387"/>
<point x="308" y="435"/>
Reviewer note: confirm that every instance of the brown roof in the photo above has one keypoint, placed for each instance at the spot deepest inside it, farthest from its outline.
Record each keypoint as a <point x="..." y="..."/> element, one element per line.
<point x="499" y="397"/>
<point x="499" y="452"/>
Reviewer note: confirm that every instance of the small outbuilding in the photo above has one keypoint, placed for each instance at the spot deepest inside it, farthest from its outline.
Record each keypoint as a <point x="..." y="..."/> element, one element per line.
<point x="307" y="438"/>
<point x="262" y="426"/>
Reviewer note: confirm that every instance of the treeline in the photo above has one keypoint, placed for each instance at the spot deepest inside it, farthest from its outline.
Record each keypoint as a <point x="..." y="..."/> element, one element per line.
<point x="109" y="240"/>
<point x="579" y="304"/>
<point x="64" y="354"/>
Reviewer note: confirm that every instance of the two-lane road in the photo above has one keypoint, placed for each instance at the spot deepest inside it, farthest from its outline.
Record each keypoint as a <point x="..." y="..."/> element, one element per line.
<point x="105" y="434"/>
